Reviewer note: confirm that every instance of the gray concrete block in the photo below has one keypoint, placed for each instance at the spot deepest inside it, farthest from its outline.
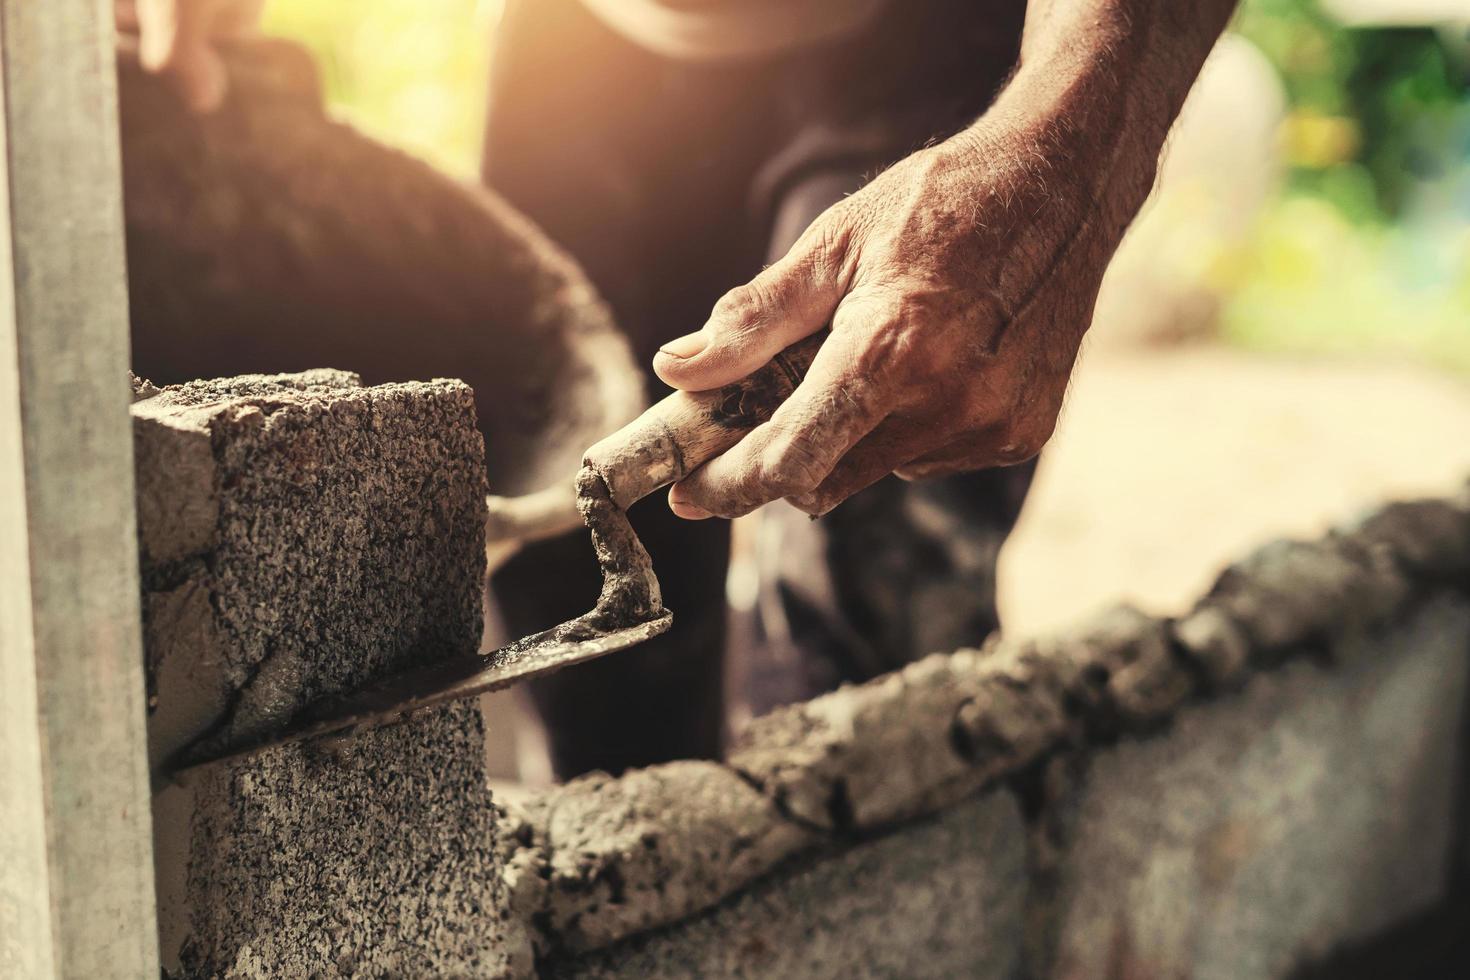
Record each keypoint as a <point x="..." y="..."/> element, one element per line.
<point x="376" y="859"/>
<point x="940" y="898"/>
<point x="299" y="534"/>
<point x="1312" y="809"/>
<point x="303" y="535"/>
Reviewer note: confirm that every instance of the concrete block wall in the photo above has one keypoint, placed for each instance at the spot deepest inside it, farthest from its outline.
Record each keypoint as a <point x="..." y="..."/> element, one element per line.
<point x="945" y="897"/>
<point x="1255" y="834"/>
<point x="1235" y="793"/>
<point x="1232" y="793"/>
<point x="1312" y="810"/>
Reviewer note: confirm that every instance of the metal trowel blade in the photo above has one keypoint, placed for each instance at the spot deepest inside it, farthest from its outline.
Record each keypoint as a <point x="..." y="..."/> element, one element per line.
<point x="397" y="697"/>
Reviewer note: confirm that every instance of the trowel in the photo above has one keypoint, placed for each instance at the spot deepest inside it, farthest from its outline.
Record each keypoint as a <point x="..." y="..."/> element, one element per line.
<point x="660" y="447"/>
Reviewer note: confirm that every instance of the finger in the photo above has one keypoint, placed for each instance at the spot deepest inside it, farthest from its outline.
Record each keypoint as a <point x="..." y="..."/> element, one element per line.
<point x="790" y="455"/>
<point x="985" y="449"/>
<point x="176" y="38"/>
<point x="753" y="323"/>
<point x="892" y="444"/>
<point x="125" y="15"/>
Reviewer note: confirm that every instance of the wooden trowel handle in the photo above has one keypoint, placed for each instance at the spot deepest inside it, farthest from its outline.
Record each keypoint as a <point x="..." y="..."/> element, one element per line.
<point x="682" y="432"/>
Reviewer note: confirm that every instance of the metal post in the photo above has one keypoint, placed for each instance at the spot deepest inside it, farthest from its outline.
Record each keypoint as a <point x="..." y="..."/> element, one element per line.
<point x="76" y="869"/>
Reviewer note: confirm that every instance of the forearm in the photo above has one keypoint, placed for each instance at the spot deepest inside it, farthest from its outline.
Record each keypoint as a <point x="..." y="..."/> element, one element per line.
<point x="1100" y="82"/>
<point x="1141" y="56"/>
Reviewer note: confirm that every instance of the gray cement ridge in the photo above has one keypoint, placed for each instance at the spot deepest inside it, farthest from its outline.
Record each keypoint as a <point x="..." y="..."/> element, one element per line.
<point x="601" y="859"/>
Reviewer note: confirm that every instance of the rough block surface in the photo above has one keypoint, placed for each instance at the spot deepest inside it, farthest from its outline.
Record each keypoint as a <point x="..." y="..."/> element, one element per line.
<point x="1234" y="793"/>
<point x="944" y="898"/>
<point x="302" y="535"/>
<point x="299" y="534"/>
<point x="373" y="859"/>
<point x="1265" y="830"/>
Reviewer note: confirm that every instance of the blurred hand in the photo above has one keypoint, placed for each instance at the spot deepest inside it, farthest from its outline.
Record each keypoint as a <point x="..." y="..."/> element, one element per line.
<point x="177" y="39"/>
<point x="958" y="285"/>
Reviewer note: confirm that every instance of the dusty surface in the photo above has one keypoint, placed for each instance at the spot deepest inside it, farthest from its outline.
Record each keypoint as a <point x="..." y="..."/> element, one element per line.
<point x="944" y="899"/>
<point x="287" y="515"/>
<point x="1169" y="464"/>
<point x="302" y="535"/>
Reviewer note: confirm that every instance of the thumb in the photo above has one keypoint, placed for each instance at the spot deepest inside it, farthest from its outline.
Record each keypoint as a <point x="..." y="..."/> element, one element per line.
<point x="753" y="323"/>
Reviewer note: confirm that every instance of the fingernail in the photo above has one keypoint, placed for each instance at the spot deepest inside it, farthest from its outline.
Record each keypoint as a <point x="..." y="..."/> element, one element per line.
<point x="686" y="346"/>
<point x="686" y="510"/>
<point x="690" y="512"/>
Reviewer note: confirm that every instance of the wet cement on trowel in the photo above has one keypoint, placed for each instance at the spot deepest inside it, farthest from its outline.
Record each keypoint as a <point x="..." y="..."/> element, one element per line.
<point x="630" y="595"/>
<point x="629" y="609"/>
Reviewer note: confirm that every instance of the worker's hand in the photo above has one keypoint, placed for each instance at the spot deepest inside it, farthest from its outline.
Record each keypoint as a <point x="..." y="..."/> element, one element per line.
<point x="958" y="284"/>
<point x="177" y="39"/>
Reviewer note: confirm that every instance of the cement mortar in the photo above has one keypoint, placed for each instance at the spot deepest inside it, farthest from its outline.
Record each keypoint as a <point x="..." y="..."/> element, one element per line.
<point x="658" y="844"/>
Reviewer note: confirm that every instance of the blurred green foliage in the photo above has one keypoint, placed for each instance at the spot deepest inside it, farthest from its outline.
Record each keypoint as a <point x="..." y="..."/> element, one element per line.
<point x="1365" y="249"/>
<point x="1399" y="91"/>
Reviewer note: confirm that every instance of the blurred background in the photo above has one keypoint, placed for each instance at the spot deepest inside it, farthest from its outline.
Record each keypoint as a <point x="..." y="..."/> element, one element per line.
<point x="1352" y="235"/>
<point x="1283" y="339"/>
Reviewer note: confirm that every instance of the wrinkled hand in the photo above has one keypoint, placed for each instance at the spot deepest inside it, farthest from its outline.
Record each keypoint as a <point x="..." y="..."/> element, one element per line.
<point x="958" y="284"/>
<point x="178" y="38"/>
